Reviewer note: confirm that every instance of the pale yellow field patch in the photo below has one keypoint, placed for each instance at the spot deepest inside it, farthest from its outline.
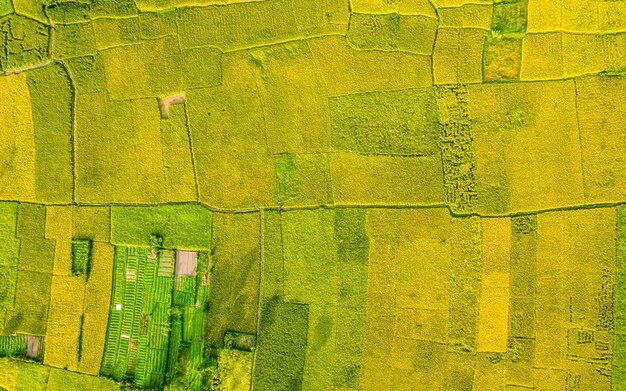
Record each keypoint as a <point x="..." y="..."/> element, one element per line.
<point x="493" y="321"/>
<point x="96" y="308"/>
<point x="542" y="58"/>
<point x="63" y="330"/>
<point x="59" y="228"/>
<point x="544" y="16"/>
<point x="17" y="140"/>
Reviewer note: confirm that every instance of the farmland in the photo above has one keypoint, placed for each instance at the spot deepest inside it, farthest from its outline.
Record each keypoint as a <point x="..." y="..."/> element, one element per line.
<point x="313" y="195"/>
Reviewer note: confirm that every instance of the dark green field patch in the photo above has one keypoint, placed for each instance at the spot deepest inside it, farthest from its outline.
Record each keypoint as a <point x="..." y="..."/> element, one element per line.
<point x="235" y="271"/>
<point x="81" y="254"/>
<point x="282" y="346"/>
<point x="24" y="41"/>
<point x="510" y="17"/>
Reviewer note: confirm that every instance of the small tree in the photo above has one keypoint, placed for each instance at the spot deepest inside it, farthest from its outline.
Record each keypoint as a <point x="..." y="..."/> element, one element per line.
<point x="156" y="241"/>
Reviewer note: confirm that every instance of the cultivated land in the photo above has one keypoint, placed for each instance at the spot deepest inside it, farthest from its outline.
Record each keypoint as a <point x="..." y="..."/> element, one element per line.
<point x="313" y="195"/>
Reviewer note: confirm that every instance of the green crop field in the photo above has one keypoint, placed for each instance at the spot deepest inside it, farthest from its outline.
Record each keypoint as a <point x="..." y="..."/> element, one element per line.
<point x="313" y="195"/>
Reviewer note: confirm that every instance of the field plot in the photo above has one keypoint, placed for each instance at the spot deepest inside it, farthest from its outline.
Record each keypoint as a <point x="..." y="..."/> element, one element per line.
<point x="52" y="133"/>
<point x="157" y="319"/>
<point x="294" y="99"/>
<point x="17" y="147"/>
<point x="138" y="333"/>
<point x="387" y="123"/>
<point x="234" y="277"/>
<point x="602" y="135"/>
<point x="24" y="41"/>
<point x="506" y="120"/>
<point x="454" y="66"/>
<point x="234" y="165"/>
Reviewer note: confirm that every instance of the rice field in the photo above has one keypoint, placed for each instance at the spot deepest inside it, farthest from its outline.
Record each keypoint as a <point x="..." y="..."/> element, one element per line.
<point x="313" y="195"/>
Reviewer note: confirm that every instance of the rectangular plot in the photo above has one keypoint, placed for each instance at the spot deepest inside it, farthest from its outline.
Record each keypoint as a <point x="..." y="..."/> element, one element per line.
<point x="452" y="66"/>
<point x="91" y="223"/>
<point x="353" y="246"/>
<point x="64" y="322"/>
<point x="294" y="97"/>
<point x="350" y="71"/>
<point x="519" y="167"/>
<point x="228" y="132"/>
<point x="233" y="300"/>
<point x="97" y="302"/>
<point x="52" y="121"/>
<point x="181" y="226"/>
<point x="17" y="145"/>
<point x="36" y="255"/>
<point x="284" y="329"/>
<point x="542" y="57"/>
<point x="464" y="288"/>
<point x="237" y="25"/>
<point x="59" y="228"/>
<point x="392" y="31"/>
<point x="495" y="286"/>
<point x="303" y="179"/>
<point x="180" y="180"/>
<point x="390" y="123"/>
<point x="104" y="162"/>
<point x="30" y="313"/>
<point x="386" y="179"/>
<point x="602" y="135"/>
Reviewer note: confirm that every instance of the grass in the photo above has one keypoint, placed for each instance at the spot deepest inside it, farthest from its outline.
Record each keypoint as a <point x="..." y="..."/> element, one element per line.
<point x="81" y="257"/>
<point x="181" y="226"/>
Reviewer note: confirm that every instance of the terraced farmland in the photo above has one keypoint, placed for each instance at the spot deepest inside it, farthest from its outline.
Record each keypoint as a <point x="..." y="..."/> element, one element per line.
<point x="313" y="195"/>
